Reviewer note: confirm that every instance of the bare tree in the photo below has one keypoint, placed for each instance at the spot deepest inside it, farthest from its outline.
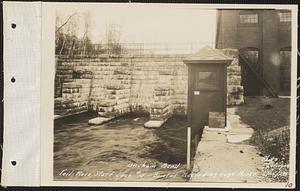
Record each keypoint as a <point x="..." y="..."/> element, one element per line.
<point x="63" y="24"/>
<point x="65" y="32"/>
<point x="86" y="35"/>
<point x="113" y="39"/>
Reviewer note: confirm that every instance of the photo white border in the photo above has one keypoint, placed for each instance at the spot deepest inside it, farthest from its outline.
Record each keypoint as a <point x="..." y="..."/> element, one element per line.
<point x="21" y="99"/>
<point x="47" y="99"/>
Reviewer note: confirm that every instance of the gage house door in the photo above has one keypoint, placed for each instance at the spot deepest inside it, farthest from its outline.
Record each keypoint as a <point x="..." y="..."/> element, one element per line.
<point x="207" y="87"/>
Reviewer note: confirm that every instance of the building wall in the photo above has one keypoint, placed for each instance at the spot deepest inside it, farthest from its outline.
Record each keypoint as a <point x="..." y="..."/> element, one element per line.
<point x="269" y="35"/>
<point x="227" y="29"/>
<point x="113" y="86"/>
<point x="270" y="54"/>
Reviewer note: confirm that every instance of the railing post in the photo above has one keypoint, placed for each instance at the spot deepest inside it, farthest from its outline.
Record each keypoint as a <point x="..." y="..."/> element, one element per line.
<point x="188" y="155"/>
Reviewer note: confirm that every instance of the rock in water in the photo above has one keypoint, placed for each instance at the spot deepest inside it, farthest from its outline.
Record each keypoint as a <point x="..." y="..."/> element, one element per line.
<point x="152" y="124"/>
<point x="99" y="120"/>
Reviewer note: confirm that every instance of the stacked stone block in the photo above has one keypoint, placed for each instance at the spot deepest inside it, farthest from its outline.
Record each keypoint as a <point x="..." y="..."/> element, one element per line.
<point x="144" y="77"/>
<point x="113" y="86"/>
<point x="180" y="89"/>
<point x="63" y="74"/>
<point x="72" y="101"/>
<point x="102" y="75"/>
<point x="73" y="89"/>
<point x="154" y="80"/>
<point x="161" y="108"/>
<point x="235" y="92"/>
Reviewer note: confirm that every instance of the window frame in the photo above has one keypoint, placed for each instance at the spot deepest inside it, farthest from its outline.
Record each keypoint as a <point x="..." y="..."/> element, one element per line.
<point x="241" y="13"/>
<point x="209" y="87"/>
<point x="261" y="67"/>
<point x="284" y="22"/>
<point x="285" y="49"/>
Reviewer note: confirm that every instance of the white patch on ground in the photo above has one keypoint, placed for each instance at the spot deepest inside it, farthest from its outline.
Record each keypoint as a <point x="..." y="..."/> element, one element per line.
<point x="237" y="138"/>
<point x="154" y="124"/>
<point x="241" y="131"/>
<point x="98" y="120"/>
<point x="56" y="116"/>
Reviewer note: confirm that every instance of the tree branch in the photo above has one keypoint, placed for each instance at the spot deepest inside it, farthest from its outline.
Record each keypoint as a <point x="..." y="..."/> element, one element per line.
<point x="61" y="26"/>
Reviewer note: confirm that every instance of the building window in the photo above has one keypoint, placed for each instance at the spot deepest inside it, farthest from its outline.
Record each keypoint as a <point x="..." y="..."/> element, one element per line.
<point x="252" y="56"/>
<point x="251" y="68"/>
<point x="285" y="70"/>
<point x="249" y="18"/>
<point x="285" y="16"/>
<point x="207" y="79"/>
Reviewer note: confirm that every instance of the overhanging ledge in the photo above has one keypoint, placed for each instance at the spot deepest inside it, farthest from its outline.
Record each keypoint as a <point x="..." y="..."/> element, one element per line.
<point x="208" y="55"/>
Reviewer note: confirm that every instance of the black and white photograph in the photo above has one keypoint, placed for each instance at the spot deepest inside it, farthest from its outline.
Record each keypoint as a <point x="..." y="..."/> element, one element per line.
<point x="173" y="93"/>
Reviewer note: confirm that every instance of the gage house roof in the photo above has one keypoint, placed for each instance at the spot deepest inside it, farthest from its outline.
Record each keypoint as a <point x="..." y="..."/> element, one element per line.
<point x="208" y="55"/>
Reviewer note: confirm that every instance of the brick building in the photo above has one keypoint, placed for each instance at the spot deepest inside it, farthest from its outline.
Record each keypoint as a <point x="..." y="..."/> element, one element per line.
<point x="263" y="38"/>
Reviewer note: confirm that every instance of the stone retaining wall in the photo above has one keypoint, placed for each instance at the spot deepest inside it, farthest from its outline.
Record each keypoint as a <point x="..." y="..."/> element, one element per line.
<point x="235" y="92"/>
<point x="113" y="86"/>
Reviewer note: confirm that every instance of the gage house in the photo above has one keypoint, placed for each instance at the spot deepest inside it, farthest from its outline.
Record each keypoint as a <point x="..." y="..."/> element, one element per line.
<point x="207" y="88"/>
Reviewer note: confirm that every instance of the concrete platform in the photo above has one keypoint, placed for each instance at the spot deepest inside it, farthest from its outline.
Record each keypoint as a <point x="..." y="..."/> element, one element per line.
<point x="154" y="124"/>
<point x="226" y="129"/>
<point x="99" y="120"/>
<point x="241" y="132"/>
<point x="222" y="156"/>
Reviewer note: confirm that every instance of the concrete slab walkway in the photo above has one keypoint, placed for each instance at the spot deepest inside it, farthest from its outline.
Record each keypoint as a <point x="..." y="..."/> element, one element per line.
<point x="226" y="157"/>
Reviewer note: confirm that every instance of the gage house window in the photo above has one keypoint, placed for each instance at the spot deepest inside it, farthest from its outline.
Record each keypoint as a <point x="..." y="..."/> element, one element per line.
<point x="207" y="79"/>
<point x="248" y="18"/>
<point x="285" y="17"/>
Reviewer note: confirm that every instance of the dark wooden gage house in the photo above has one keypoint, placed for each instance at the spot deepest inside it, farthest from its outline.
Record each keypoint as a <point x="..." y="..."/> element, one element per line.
<point x="207" y="87"/>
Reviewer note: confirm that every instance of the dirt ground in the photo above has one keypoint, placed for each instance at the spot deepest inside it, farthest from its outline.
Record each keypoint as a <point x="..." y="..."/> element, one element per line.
<point x="265" y="114"/>
<point x="270" y="119"/>
<point x="122" y="150"/>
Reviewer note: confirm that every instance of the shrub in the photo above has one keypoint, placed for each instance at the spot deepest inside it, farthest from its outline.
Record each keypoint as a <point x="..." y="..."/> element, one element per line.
<point x="274" y="143"/>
